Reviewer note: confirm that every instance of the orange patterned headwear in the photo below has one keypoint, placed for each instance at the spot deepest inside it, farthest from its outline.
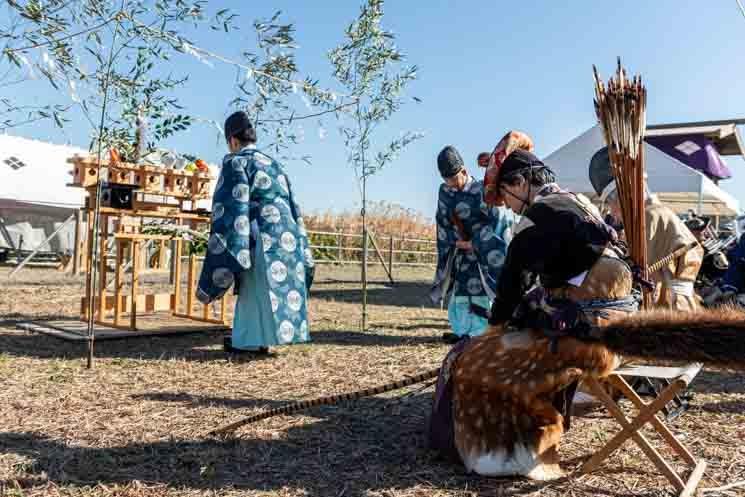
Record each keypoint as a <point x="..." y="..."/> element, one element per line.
<point x="510" y="142"/>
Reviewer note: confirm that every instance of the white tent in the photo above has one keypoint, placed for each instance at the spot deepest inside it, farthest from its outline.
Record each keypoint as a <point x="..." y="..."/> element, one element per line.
<point x="34" y="196"/>
<point x="36" y="172"/>
<point x="678" y="185"/>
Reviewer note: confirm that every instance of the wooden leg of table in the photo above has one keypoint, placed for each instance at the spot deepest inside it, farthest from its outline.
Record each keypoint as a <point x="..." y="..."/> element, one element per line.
<point x="663" y="430"/>
<point x="102" y="266"/>
<point x="192" y="279"/>
<point x="76" y="245"/>
<point x="162" y="255"/>
<point x="135" y="247"/>
<point x="118" y="282"/>
<point x="177" y="276"/>
<point x="630" y="430"/>
<point x="223" y="307"/>
<point x="88" y="262"/>
<point x="694" y="479"/>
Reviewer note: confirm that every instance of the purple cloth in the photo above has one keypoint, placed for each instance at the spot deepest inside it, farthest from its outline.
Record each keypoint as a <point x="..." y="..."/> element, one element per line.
<point x="441" y="426"/>
<point x="695" y="151"/>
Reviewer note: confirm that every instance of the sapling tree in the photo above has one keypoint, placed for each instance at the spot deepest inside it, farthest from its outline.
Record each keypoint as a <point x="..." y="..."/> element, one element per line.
<point x="373" y="72"/>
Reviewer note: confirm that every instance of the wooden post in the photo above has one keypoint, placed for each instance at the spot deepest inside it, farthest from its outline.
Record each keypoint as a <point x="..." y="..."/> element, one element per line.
<point x="88" y="262"/>
<point x="223" y="307"/>
<point x="135" y="251"/>
<point x="172" y="265"/>
<point x="206" y="308"/>
<point x="118" y="282"/>
<point x="102" y="266"/>
<point x="192" y="277"/>
<point x="380" y="256"/>
<point x="390" y="257"/>
<point x="177" y="275"/>
<point x="76" y="252"/>
<point x="162" y="255"/>
<point x="340" y="245"/>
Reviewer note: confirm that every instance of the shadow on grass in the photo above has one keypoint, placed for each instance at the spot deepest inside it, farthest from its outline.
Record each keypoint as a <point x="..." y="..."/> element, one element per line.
<point x="351" y="450"/>
<point x="719" y="381"/>
<point x="401" y="294"/>
<point x="197" y="346"/>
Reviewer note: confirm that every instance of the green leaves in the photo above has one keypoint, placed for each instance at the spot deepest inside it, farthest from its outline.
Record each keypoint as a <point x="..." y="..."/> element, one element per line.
<point x="369" y="65"/>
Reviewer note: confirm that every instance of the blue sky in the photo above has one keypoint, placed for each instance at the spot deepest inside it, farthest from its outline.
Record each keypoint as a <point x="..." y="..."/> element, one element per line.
<point x="485" y="67"/>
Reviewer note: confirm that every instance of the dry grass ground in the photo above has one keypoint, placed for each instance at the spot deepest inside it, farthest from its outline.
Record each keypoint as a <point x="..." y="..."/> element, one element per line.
<point x="131" y="426"/>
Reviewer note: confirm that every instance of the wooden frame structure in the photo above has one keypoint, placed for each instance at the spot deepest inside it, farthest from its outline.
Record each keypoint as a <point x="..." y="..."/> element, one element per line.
<point x="157" y="193"/>
<point x="679" y="379"/>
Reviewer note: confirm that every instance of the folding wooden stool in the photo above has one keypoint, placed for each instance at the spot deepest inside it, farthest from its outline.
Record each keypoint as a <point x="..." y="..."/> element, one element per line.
<point x="679" y="379"/>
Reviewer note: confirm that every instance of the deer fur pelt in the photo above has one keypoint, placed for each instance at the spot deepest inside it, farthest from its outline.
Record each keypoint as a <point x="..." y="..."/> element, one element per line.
<point x="505" y="380"/>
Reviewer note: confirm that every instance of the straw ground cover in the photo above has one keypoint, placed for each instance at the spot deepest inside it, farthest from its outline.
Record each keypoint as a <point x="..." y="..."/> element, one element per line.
<point x="131" y="427"/>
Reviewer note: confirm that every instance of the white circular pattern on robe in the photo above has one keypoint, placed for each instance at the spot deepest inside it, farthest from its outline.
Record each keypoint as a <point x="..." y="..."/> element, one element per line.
<point x="262" y="181"/>
<point x="262" y="159"/>
<point x="281" y="201"/>
<point x="304" y="330"/>
<point x="218" y="211"/>
<point x="271" y="214"/>
<point x="282" y="180"/>
<point x="443" y="207"/>
<point x="244" y="258"/>
<point x="241" y="193"/>
<point x="301" y="226"/>
<point x="216" y="244"/>
<point x="222" y="277"/>
<point x="309" y="257"/>
<point x="495" y="258"/>
<point x="242" y="225"/>
<point x="294" y="300"/>
<point x="471" y="256"/>
<point x="474" y="286"/>
<point x="507" y="235"/>
<point x="288" y="241"/>
<point x="441" y="235"/>
<point x="266" y="241"/>
<point x="300" y="271"/>
<point x="278" y="271"/>
<point x="239" y="164"/>
<point x="463" y="210"/>
<point x="274" y="300"/>
<point x="286" y="332"/>
<point x="487" y="233"/>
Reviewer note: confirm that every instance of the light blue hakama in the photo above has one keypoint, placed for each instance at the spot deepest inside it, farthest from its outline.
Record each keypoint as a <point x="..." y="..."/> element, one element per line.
<point x="253" y="321"/>
<point x="462" y="320"/>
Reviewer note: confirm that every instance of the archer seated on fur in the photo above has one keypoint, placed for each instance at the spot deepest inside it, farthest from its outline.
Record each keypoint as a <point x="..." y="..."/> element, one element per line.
<point x="511" y="388"/>
<point x="562" y="239"/>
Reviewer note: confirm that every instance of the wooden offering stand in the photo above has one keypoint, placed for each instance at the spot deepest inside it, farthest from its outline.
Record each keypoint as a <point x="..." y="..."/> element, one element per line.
<point x="136" y="193"/>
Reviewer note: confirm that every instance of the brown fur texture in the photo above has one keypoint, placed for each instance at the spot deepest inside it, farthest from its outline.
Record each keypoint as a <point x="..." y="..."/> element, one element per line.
<point x="712" y="336"/>
<point x="505" y="381"/>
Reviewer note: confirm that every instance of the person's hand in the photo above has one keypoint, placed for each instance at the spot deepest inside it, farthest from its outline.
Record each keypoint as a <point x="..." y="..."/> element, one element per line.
<point x="464" y="245"/>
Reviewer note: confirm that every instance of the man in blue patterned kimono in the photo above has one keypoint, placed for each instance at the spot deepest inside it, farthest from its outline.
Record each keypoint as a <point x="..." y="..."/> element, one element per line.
<point x="471" y="246"/>
<point x="257" y="242"/>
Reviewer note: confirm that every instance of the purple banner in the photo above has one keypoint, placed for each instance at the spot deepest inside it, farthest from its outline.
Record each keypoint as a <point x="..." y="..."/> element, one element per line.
<point x="695" y="151"/>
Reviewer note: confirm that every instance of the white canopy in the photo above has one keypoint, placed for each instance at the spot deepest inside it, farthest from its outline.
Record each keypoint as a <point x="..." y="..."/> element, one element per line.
<point x="677" y="184"/>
